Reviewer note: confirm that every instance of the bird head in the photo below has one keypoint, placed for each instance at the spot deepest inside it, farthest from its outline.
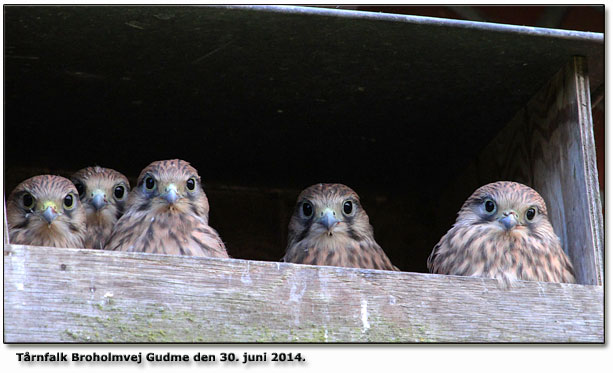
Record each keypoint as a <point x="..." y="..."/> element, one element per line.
<point x="45" y="206"/>
<point x="102" y="191"/>
<point x="503" y="232"/>
<point x="328" y="211"/>
<point x="171" y="186"/>
<point x="505" y="206"/>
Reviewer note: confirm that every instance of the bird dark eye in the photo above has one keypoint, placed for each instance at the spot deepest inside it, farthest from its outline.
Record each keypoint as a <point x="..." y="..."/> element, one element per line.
<point x="347" y="207"/>
<point x="80" y="189"/>
<point x="68" y="201"/>
<point x="490" y="206"/>
<point x="191" y="184"/>
<point x="307" y="209"/>
<point x="28" y="201"/>
<point x="531" y="213"/>
<point x="149" y="183"/>
<point x="119" y="191"/>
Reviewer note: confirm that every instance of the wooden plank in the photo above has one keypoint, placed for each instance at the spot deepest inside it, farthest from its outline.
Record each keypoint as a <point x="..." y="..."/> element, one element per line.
<point x="79" y="295"/>
<point x="5" y="224"/>
<point x="549" y="145"/>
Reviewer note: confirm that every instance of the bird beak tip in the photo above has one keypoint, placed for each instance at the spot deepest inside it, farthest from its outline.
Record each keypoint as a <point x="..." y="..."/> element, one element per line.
<point x="49" y="215"/>
<point x="98" y="201"/>
<point x="171" y="196"/>
<point x="328" y="220"/>
<point x="509" y="222"/>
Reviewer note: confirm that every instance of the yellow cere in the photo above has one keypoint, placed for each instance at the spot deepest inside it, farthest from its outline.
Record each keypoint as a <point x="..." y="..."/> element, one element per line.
<point x="49" y="204"/>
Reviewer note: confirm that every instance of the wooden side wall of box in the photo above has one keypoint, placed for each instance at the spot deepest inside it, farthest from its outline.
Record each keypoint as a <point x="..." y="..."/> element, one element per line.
<point x="549" y="145"/>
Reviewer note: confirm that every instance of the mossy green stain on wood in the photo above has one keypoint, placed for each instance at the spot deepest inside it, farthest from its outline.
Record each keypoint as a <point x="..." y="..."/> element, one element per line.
<point x="205" y="301"/>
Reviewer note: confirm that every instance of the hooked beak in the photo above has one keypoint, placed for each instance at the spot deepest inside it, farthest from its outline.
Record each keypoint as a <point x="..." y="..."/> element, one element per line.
<point x="509" y="220"/>
<point x="98" y="201"/>
<point x="49" y="214"/>
<point x="328" y="219"/>
<point x="171" y="194"/>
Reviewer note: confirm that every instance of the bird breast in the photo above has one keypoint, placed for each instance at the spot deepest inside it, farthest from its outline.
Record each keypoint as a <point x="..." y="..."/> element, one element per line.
<point x="325" y="241"/>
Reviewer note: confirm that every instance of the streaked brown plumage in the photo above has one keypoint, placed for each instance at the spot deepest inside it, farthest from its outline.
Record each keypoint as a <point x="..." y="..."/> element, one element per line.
<point x="103" y="193"/>
<point x="330" y="227"/>
<point x="167" y="213"/>
<point x="502" y="231"/>
<point x="45" y="211"/>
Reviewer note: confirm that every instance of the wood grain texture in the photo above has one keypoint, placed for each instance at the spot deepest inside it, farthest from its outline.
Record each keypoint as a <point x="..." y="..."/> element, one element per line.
<point x="549" y="145"/>
<point x="5" y="224"/>
<point x="81" y="295"/>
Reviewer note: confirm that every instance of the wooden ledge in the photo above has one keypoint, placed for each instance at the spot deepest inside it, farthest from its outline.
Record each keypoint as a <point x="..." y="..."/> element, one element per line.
<point x="80" y="295"/>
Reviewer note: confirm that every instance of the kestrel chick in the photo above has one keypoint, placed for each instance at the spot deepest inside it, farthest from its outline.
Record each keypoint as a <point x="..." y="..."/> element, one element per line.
<point x="167" y="213"/>
<point x="45" y="211"/>
<point x="502" y="231"/>
<point x="103" y="193"/>
<point x="330" y="227"/>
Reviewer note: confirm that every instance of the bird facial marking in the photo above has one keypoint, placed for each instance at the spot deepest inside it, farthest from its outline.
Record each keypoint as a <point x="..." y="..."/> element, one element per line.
<point x="167" y="186"/>
<point x="501" y="213"/>
<point x="41" y="210"/>
<point x="327" y="217"/>
<point x="101" y="189"/>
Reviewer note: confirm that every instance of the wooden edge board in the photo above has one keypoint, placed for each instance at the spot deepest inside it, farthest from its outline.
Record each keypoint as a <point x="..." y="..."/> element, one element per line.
<point x="81" y="295"/>
<point x="590" y="174"/>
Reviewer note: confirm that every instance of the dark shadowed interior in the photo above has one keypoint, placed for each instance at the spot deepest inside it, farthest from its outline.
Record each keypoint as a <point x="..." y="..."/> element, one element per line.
<point x="267" y="102"/>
